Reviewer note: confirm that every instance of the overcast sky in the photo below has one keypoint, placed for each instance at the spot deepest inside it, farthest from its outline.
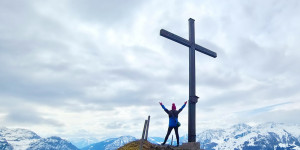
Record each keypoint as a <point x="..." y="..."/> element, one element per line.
<point x="99" y="68"/>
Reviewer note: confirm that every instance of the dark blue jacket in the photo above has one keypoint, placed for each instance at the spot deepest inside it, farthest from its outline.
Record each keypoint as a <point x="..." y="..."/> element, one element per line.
<point x="173" y="115"/>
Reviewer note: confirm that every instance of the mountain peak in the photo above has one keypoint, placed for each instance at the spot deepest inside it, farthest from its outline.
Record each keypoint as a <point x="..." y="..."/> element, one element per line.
<point x="110" y="144"/>
<point x="22" y="139"/>
<point x="241" y="126"/>
<point x="18" y="134"/>
<point x="52" y="142"/>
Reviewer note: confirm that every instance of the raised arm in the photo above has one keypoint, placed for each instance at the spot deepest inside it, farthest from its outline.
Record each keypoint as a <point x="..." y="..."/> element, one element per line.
<point x="182" y="107"/>
<point x="165" y="109"/>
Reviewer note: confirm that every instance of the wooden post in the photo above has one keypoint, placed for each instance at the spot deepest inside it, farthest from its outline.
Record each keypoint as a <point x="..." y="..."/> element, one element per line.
<point x="145" y="125"/>
<point x="172" y="140"/>
<point x="146" y="137"/>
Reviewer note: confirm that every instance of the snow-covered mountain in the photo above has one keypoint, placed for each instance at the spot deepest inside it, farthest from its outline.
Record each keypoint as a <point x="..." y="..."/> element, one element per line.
<point x="110" y="144"/>
<point x="157" y="140"/>
<point x="265" y="136"/>
<point x="4" y="145"/>
<point x="22" y="139"/>
<point x="242" y="136"/>
<point x="53" y="143"/>
<point x="83" y="142"/>
<point x="18" y="138"/>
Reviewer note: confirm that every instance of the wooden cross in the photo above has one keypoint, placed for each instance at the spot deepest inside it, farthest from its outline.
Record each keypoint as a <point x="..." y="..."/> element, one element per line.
<point x="193" y="99"/>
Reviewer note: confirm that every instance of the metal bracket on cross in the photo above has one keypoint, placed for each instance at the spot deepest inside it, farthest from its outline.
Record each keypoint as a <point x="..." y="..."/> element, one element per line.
<point x="194" y="99"/>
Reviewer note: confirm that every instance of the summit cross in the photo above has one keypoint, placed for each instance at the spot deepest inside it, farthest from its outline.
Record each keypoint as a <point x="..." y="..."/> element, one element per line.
<point x="193" y="99"/>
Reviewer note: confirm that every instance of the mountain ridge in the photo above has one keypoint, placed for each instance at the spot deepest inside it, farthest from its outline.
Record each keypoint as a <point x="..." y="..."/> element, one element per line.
<point x="239" y="136"/>
<point x="268" y="135"/>
<point x="110" y="144"/>
<point x="23" y="139"/>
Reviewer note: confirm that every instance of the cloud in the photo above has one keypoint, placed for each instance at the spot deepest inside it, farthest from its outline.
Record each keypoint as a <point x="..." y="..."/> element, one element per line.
<point x="271" y="115"/>
<point x="114" y="125"/>
<point x="103" y="12"/>
<point x="262" y="109"/>
<point x="25" y="116"/>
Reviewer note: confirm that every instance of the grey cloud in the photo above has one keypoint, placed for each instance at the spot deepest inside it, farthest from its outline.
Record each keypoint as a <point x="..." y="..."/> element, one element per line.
<point x="251" y="96"/>
<point x="264" y="61"/>
<point x="261" y="110"/>
<point x="19" y="48"/>
<point x="29" y="117"/>
<point x="220" y="79"/>
<point x="108" y="12"/>
<point x="52" y="91"/>
<point x="114" y="125"/>
<point x="36" y="90"/>
<point x="286" y="116"/>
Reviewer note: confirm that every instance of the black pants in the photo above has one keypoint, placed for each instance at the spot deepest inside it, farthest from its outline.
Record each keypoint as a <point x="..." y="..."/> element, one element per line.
<point x="168" y="133"/>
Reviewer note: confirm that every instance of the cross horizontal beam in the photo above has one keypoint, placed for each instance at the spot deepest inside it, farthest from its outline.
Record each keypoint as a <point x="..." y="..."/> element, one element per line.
<point x="187" y="43"/>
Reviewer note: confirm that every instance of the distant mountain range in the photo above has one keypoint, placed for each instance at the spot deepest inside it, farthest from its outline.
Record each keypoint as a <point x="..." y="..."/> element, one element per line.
<point x="265" y="136"/>
<point x="80" y="142"/>
<point x="22" y="139"/>
<point x="242" y="136"/>
<point x="110" y="144"/>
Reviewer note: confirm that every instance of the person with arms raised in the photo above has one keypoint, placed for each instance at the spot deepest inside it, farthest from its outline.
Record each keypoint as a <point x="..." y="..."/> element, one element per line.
<point x="173" y="120"/>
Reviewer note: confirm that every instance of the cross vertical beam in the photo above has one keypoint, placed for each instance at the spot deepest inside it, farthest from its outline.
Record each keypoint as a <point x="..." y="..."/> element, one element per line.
<point x="193" y="99"/>
<point x="192" y="85"/>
